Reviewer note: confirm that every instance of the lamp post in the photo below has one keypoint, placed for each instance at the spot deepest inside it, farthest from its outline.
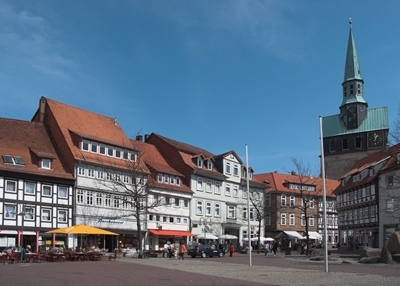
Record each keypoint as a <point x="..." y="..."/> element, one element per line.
<point x="206" y="221"/>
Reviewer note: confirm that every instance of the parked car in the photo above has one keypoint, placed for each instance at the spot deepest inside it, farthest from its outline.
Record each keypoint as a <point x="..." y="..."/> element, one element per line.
<point x="205" y="250"/>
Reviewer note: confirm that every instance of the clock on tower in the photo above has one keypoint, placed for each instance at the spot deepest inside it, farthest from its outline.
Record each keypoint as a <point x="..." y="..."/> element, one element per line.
<point x="375" y="139"/>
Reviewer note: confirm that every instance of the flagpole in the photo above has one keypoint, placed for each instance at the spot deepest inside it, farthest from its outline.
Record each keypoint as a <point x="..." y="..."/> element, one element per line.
<point x="248" y="203"/>
<point x="324" y="196"/>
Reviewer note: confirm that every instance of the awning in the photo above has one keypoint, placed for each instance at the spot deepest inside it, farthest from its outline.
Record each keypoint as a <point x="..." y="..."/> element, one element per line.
<point x="314" y="235"/>
<point x="293" y="234"/>
<point x="8" y="232"/>
<point x="170" y="232"/>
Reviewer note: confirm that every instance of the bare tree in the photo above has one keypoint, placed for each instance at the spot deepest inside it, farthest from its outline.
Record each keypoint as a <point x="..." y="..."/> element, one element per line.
<point x="307" y="189"/>
<point x="134" y="192"/>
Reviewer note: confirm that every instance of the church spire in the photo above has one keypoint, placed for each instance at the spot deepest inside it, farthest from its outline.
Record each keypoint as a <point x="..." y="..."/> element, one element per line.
<point x="353" y="82"/>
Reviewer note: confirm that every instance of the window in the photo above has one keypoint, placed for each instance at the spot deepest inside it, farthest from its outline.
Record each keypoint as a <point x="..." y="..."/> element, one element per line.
<point x="30" y="188"/>
<point x="231" y="212"/>
<point x="185" y="204"/>
<point x="199" y="162"/>
<point x="100" y="174"/>
<point x="110" y="151"/>
<point x="29" y="212"/>
<point x="303" y="220"/>
<point x="62" y="192"/>
<point x="227" y="168"/>
<point x="177" y="202"/>
<point x="167" y="200"/>
<point x="236" y="170"/>
<point x="46" y="190"/>
<point x="102" y="149"/>
<point x="311" y="203"/>
<point x="46" y="214"/>
<point x="235" y="191"/>
<point x="267" y="219"/>
<point x="178" y="220"/>
<point x="217" y="210"/>
<point x="107" y="200"/>
<point x="81" y="170"/>
<point x="283" y="200"/>
<point x="99" y="199"/>
<point x="178" y="181"/>
<point x="199" y="208"/>
<point x="291" y="219"/>
<point x="160" y="177"/>
<point x="46" y="163"/>
<point x="164" y="219"/>
<point x="217" y="188"/>
<point x="267" y="200"/>
<point x="118" y="153"/>
<point x="311" y="220"/>
<point x="116" y="202"/>
<point x="9" y="211"/>
<point x="244" y="213"/>
<point x="93" y="147"/>
<point x="172" y="180"/>
<point x="390" y="181"/>
<point x="166" y="178"/>
<point x="85" y="145"/>
<point x="390" y="205"/>
<point x="62" y="216"/>
<point x="79" y="197"/>
<point x="89" y="198"/>
<point x="283" y="219"/>
<point x="228" y="190"/>
<point x="200" y="184"/>
<point x="208" y="209"/>
<point x="209" y="165"/>
<point x="292" y="201"/>
<point x="11" y="186"/>
<point x="91" y="171"/>
<point x="208" y="186"/>
<point x="171" y="219"/>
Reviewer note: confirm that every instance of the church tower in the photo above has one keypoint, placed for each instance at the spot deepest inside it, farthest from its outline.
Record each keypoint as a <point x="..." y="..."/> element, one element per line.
<point x="357" y="131"/>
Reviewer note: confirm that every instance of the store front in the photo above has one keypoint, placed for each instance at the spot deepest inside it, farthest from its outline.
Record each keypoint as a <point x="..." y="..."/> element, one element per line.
<point x="158" y="238"/>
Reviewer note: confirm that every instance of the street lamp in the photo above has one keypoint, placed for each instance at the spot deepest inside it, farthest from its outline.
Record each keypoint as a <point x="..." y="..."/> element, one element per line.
<point x="206" y="221"/>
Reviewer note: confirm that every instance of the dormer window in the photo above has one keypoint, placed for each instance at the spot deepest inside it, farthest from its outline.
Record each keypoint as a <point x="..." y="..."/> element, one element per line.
<point x="199" y="162"/>
<point x="46" y="164"/>
<point x="210" y="165"/>
<point x="250" y="175"/>
<point x="371" y="171"/>
<point x="228" y="168"/>
<point x="235" y="170"/>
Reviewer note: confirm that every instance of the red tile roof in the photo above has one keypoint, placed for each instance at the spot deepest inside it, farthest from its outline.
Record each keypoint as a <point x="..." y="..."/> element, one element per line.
<point x="280" y="182"/>
<point x="30" y="141"/>
<point x="76" y="124"/>
<point x="150" y="156"/>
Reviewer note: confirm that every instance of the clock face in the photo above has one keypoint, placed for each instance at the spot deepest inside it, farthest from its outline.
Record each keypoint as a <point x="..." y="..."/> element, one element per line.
<point x="375" y="139"/>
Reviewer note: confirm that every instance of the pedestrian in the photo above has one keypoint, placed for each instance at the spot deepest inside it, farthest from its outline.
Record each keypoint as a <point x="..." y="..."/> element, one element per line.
<point x="266" y="249"/>
<point x="182" y="251"/>
<point x="231" y="249"/>
<point x="274" y="248"/>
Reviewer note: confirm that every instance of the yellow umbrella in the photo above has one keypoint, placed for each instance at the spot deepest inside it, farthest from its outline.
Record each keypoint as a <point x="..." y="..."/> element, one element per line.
<point x="81" y="229"/>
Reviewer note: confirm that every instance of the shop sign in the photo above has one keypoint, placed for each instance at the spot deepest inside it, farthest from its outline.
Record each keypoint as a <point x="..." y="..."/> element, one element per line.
<point x="111" y="221"/>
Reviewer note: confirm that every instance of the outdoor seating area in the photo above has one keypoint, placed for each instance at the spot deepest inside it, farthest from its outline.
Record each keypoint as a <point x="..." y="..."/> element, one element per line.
<point x="49" y="256"/>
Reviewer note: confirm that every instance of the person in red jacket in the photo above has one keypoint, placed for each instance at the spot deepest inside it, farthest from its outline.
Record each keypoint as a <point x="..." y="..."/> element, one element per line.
<point x="231" y="249"/>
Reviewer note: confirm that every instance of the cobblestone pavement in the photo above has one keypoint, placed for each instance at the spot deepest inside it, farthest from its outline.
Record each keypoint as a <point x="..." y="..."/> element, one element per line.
<point x="268" y="270"/>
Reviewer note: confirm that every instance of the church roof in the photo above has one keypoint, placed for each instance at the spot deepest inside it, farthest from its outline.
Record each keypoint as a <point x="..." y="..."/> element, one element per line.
<point x="377" y="119"/>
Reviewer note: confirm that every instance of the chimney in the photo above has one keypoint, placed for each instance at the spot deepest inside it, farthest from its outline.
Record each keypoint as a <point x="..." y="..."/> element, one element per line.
<point x="146" y="136"/>
<point x="139" y="138"/>
<point x="42" y="105"/>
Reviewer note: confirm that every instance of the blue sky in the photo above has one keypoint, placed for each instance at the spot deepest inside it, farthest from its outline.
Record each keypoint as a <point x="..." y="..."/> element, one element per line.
<point x="214" y="74"/>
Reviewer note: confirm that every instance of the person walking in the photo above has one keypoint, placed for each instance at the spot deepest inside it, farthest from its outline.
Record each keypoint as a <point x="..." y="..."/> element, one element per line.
<point x="231" y="249"/>
<point x="266" y="249"/>
<point x="274" y="248"/>
<point x="182" y="251"/>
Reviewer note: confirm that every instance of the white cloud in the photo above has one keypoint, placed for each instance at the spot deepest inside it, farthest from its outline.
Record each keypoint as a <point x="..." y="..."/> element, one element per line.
<point x="28" y="44"/>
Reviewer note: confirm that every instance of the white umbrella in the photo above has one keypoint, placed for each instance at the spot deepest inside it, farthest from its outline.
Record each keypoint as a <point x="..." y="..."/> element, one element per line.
<point x="207" y="236"/>
<point x="228" y="236"/>
<point x="262" y="239"/>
